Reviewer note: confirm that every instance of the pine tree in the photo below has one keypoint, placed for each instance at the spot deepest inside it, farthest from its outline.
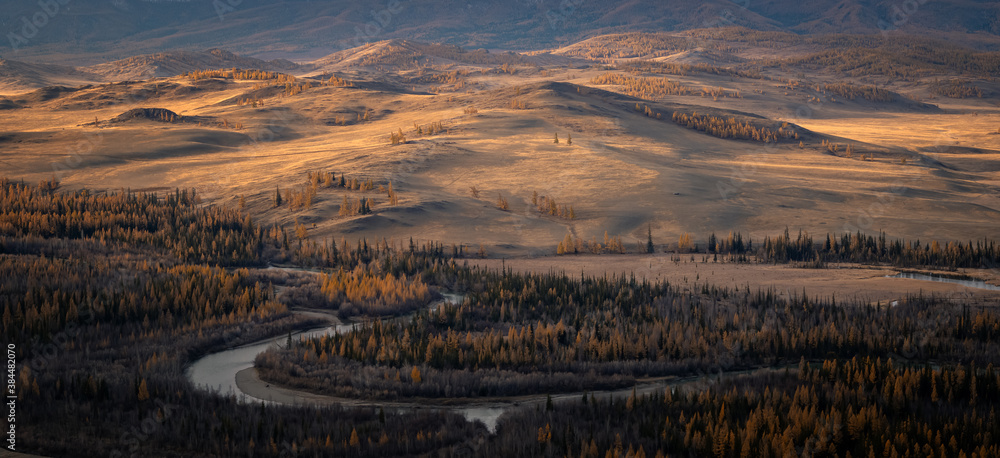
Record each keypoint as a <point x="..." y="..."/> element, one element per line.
<point x="277" y="197"/>
<point x="557" y="139"/>
<point x="650" y="248"/>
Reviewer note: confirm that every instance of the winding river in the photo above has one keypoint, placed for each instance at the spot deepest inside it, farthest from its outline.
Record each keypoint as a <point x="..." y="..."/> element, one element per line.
<point x="979" y="284"/>
<point x="231" y="372"/>
<point x="219" y="372"/>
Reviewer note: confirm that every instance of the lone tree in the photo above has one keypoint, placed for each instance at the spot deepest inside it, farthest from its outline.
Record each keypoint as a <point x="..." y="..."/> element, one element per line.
<point x="650" y="248"/>
<point x="557" y="139"/>
<point x="277" y="197"/>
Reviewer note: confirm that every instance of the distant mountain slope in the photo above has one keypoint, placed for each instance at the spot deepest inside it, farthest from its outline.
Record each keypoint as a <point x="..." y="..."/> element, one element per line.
<point x="177" y="62"/>
<point x="99" y="29"/>
<point x="405" y="54"/>
<point x="851" y="55"/>
<point x="839" y="16"/>
<point x="16" y="76"/>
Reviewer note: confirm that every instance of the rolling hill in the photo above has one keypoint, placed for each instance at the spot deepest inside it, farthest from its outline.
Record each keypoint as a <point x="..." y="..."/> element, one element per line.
<point x="724" y="152"/>
<point x="16" y="76"/>
<point x="174" y="63"/>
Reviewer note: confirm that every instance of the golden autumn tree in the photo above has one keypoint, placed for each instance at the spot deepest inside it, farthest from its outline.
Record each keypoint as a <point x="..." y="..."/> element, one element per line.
<point x="143" y="391"/>
<point x="355" y="440"/>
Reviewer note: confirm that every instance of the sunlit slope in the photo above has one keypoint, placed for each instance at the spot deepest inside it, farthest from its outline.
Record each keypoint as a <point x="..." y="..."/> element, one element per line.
<point x="624" y="172"/>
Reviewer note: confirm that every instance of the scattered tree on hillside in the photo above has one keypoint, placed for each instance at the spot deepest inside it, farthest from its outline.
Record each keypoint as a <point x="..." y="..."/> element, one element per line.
<point x="502" y="202"/>
<point x="397" y="138"/>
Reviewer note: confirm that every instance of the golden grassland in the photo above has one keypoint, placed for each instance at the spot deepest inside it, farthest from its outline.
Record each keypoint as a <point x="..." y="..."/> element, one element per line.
<point x="914" y="171"/>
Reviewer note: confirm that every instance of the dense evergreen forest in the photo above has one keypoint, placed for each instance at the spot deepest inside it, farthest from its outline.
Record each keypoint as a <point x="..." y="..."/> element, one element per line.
<point x="857" y="407"/>
<point x="108" y="296"/>
<point x="803" y="249"/>
<point x="531" y="334"/>
<point x="866" y="249"/>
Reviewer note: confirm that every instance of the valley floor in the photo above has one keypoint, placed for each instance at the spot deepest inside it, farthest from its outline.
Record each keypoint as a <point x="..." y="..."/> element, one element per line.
<point x="843" y="281"/>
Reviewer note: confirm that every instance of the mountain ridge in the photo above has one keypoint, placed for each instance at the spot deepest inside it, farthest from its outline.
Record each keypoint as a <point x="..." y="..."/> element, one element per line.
<point x="86" y="31"/>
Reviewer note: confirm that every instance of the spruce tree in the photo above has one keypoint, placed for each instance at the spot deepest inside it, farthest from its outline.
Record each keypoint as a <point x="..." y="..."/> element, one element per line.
<point x="650" y="248"/>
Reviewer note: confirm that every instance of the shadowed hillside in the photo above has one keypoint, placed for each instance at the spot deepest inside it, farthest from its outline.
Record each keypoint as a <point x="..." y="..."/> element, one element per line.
<point x="312" y="28"/>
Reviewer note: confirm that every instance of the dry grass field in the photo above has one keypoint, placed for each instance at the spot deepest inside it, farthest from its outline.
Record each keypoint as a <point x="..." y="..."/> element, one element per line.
<point x="916" y="172"/>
